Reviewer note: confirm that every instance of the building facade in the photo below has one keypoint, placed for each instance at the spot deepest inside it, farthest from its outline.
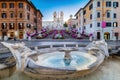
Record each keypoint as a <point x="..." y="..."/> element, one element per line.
<point x="100" y="18"/>
<point x="17" y="17"/>
<point x="72" y="22"/>
<point x="57" y="23"/>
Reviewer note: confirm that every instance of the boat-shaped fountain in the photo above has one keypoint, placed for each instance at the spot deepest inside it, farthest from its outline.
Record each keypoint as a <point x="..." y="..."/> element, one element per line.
<point x="59" y="62"/>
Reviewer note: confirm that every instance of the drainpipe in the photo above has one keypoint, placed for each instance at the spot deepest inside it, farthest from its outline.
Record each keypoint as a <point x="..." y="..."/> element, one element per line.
<point x="102" y="18"/>
<point x="16" y="17"/>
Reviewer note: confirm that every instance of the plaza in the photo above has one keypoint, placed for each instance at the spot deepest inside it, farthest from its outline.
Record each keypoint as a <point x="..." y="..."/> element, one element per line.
<point x="84" y="47"/>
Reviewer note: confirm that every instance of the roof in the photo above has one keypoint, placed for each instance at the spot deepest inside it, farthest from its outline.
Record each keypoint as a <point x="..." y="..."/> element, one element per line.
<point x="83" y="7"/>
<point x="87" y="4"/>
<point x="40" y="12"/>
<point x="30" y="2"/>
<point x="78" y="11"/>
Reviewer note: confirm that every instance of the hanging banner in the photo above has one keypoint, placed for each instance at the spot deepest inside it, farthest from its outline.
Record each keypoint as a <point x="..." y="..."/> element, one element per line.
<point x="103" y="24"/>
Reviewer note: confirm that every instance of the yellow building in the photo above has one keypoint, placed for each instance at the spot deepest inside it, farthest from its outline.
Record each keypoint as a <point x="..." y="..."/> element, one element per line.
<point x="99" y="17"/>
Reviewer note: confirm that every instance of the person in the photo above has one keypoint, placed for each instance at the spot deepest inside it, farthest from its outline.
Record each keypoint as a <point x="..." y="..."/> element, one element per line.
<point x="14" y="38"/>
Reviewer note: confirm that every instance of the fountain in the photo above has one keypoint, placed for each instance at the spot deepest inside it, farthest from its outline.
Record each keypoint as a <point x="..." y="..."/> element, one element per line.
<point x="67" y="57"/>
<point x="60" y="62"/>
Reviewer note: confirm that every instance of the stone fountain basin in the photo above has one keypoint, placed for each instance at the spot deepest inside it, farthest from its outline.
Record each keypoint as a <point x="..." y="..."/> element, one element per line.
<point x="35" y="67"/>
<point x="43" y="60"/>
<point x="7" y="65"/>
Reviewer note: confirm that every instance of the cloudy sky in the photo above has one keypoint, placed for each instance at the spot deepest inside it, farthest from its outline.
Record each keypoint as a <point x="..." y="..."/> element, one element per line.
<point x="47" y="7"/>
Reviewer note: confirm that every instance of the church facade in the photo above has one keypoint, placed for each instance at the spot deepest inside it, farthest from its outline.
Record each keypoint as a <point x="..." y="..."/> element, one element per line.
<point x="57" y="23"/>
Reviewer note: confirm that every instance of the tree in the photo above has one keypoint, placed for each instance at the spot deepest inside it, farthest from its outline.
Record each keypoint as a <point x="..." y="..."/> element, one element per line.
<point x="65" y="25"/>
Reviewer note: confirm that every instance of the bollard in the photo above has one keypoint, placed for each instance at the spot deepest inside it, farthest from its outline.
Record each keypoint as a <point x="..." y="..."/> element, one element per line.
<point x="64" y="45"/>
<point x="51" y="46"/>
<point x="36" y="48"/>
<point x="77" y="45"/>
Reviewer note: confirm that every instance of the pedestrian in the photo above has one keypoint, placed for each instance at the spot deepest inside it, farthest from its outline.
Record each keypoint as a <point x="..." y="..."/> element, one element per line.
<point x="14" y="38"/>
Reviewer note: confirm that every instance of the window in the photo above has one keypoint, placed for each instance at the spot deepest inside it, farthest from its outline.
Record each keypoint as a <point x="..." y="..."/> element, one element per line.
<point x="4" y="25"/>
<point x="35" y="12"/>
<point x="20" y="5"/>
<point x="11" y="5"/>
<point x="28" y="16"/>
<point x="28" y="26"/>
<point x="11" y="15"/>
<point x="21" y="15"/>
<point x="116" y="34"/>
<point x="35" y="20"/>
<point x="90" y="25"/>
<point x="4" y="15"/>
<point x="98" y="4"/>
<point x="108" y="24"/>
<point x="84" y="28"/>
<point x="28" y="7"/>
<point x="108" y="14"/>
<point x="4" y="5"/>
<point x="108" y="3"/>
<point x="115" y="24"/>
<point x="11" y="25"/>
<point x="98" y="14"/>
<point x="21" y="25"/>
<point x="84" y="20"/>
<point x="98" y="24"/>
<point x="115" y="15"/>
<point x="115" y="4"/>
<point x="91" y="6"/>
<point x="84" y="12"/>
<point x="76" y="17"/>
<point x="91" y="16"/>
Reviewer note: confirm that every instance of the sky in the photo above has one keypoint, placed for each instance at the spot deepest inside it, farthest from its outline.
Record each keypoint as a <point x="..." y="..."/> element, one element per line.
<point x="47" y="7"/>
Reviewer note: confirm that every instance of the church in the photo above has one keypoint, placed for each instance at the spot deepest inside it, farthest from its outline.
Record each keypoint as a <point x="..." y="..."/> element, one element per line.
<point x="57" y="23"/>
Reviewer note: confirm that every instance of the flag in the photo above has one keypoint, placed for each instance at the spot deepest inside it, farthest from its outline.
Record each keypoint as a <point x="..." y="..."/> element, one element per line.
<point x="103" y="24"/>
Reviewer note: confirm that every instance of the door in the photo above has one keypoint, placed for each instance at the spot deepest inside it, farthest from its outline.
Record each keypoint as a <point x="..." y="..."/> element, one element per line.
<point x="107" y="36"/>
<point x="12" y="35"/>
<point x="98" y="35"/>
<point x="21" y="35"/>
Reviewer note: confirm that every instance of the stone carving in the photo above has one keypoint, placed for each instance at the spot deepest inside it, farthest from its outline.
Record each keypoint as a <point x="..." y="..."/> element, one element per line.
<point x="100" y="46"/>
